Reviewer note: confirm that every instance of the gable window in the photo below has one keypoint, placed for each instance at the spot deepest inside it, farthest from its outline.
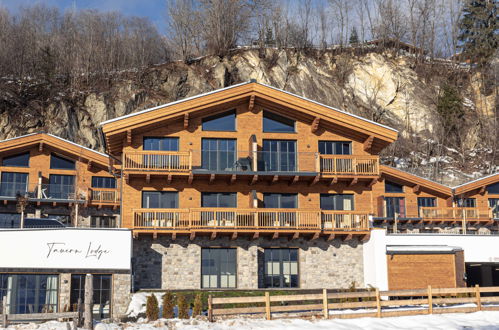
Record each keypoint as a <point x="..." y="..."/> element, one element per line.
<point x="280" y="268"/>
<point x="274" y="123"/>
<point x="218" y="154"/>
<point x="335" y="147"/>
<point x="161" y="143"/>
<point x="392" y="187"/>
<point x="160" y="199"/>
<point x="61" y="163"/>
<point x="225" y="121"/>
<point x="218" y="268"/>
<point x="103" y="182"/>
<point x="13" y="183"/>
<point x="20" y="160"/>
<point x="338" y="202"/>
<point x="493" y="188"/>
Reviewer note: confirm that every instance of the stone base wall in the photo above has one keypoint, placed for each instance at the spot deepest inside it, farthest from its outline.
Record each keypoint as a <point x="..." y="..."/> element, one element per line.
<point x="163" y="263"/>
<point x="121" y="294"/>
<point x="64" y="291"/>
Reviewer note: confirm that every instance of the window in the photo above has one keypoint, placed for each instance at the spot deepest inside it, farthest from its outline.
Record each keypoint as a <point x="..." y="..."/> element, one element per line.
<point x="426" y="202"/>
<point x="20" y="160"/>
<point x="274" y="123"/>
<point x="225" y="121"/>
<point x="61" y="163"/>
<point x="10" y="220"/>
<point x="103" y="182"/>
<point x="216" y="200"/>
<point x="494" y="205"/>
<point x="395" y="205"/>
<point x="335" y="147"/>
<point x="338" y="202"/>
<point x="493" y="188"/>
<point x="29" y="293"/>
<point x="466" y="202"/>
<point x="278" y="156"/>
<point x="280" y="201"/>
<point x="218" y="268"/>
<point x="102" y="221"/>
<point x="209" y="199"/>
<point x="13" y="183"/>
<point x="392" y="187"/>
<point x="281" y="268"/>
<point x="60" y="187"/>
<point x="161" y="143"/>
<point x="218" y="154"/>
<point x="160" y="199"/>
<point x="101" y="295"/>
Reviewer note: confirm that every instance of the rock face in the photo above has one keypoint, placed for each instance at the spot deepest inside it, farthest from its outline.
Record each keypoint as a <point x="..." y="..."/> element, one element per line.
<point x="383" y="88"/>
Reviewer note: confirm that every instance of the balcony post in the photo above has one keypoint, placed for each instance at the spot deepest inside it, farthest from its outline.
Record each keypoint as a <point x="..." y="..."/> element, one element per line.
<point x="464" y="221"/>
<point x="190" y="159"/>
<point x="317" y="162"/>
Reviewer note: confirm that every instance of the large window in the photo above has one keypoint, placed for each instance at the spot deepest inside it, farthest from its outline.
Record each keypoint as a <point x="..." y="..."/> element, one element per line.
<point x="103" y="182"/>
<point x="60" y="187"/>
<point x="493" y="188"/>
<point x="426" y="202"/>
<point x="395" y="205"/>
<point x="29" y="293"/>
<point x="218" y="268"/>
<point x="218" y="200"/>
<point x="392" y="187"/>
<point x="220" y="122"/>
<point x="274" y="123"/>
<point x="280" y="201"/>
<point x="101" y="221"/>
<point x="13" y="183"/>
<point x="61" y="163"/>
<point x="20" y="160"/>
<point x="218" y="154"/>
<point x="278" y="156"/>
<point x="209" y="199"/>
<point x="281" y="268"/>
<point x="101" y="295"/>
<point x="335" y="147"/>
<point x="10" y="220"/>
<point x="161" y="143"/>
<point x="466" y="202"/>
<point x="160" y="199"/>
<point x="338" y="202"/>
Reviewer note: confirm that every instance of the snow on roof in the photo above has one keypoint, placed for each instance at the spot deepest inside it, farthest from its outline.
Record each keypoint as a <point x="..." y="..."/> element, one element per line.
<point x="483" y="177"/>
<point x="422" y="248"/>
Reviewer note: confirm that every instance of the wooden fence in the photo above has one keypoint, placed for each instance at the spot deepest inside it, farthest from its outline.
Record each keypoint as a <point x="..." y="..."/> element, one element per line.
<point x="373" y="303"/>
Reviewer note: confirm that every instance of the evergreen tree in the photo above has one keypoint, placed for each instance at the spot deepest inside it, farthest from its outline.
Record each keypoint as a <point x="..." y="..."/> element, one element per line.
<point x="168" y="305"/>
<point x="479" y="30"/>
<point x="152" y="309"/>
<point x="354" y="37"/>
<point x="183" y="308"/>
<point x="198" y="305"/>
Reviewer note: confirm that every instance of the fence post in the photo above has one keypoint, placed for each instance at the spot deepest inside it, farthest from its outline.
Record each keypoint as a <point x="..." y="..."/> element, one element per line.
<point x="267" y="306"/>
<point x="210" y="308"/>
<point x="89" y="290"/>
<point x="324" y="303"/>
<point x="478" y="298"/>
<point x="430" y="300"/>
<point x="5" y="322"/>
<point x="378" y="303"/>
<point x="79" y="317"/>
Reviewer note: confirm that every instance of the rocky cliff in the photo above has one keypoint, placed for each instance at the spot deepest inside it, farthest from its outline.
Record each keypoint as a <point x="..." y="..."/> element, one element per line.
<point x="394" y="90"/>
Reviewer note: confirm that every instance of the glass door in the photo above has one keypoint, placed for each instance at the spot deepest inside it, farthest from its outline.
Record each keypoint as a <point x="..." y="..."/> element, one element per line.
<point x="278" y="156"/>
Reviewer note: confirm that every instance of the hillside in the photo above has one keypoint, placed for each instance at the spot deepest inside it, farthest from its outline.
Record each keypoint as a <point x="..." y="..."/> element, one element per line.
<point x="391" y="89"/>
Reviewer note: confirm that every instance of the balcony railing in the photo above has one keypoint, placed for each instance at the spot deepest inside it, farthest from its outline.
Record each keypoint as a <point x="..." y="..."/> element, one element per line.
<point x="12" y="189"/>
<point x="250" y="219"/>
<point x="55" y="191"/>
<point x="104" y="195"/>
<point x="455" y="213"/>
<point x="166" y="161"/>
<point x="349" y="165"/>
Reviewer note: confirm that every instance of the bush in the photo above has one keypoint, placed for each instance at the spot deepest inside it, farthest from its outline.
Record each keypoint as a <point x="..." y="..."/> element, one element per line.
<point x="198" y="305"/>
<point x="152" y="309"/>
<point x="183" y="309"/>
<point x="168" y="305"/>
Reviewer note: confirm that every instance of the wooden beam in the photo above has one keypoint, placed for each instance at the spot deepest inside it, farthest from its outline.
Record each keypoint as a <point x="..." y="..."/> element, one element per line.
<point x="416" y="189"/>
<point x="174" y="236"/>
<point x="127" y="178"/>
<point x="54" y="204"/>
<point x="234" y="236"/>
<point x="212" y="178"/>
<point x="330" y="237"/>
<point x="315" y="124"/>
<point x="296" y="235"/>
<point x="347" y="237"/>
<point x="294" y="180"/>
<point x="5" y="202"/>
<point x="193" y="236"/>
<point x="316" y="236"/>
<point x="254" y="179"/>
<point x="89" y="165"/>
<point x="276" y="235"/>
<point x="186" y="120"/>
<point x="169" y="179"/>
<point x="333" y="181"/>
<point x="155" y="235"/>
<point x="191" y="178"/>
<point x="275" y="178"/>
<point x="40" y="147"/>
<point x="256" y="234"/>
<point x="148" y="178"/>
<point x="482" y="190"/>
<point x="213" y="235"/>
<point x="315" y="180"/>
<point x="365" y="238"/>
<point x="129" y="137"/>
<point x="353" y="182"/>
<point x="251" y="103"/>
<point x="368" y="143"/>
<point x="371" y="183"/>
<point x="233" y="178"/>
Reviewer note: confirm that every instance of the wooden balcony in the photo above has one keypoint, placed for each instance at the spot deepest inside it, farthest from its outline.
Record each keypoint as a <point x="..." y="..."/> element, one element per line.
<point x="160" y="161"/>
<point x="349" y="165"/>
<point x="454" y="214"/>
<point x="104" y="196"/>
<point x="250" y="221"/>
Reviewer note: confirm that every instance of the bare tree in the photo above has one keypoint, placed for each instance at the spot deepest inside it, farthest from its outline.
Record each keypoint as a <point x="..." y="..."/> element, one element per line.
<point x="185" y="27"/>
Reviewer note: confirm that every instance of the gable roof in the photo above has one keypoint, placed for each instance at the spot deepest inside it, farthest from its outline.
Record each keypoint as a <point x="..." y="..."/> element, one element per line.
<point x="56" y="142"/>
<point x="476" y="184"/>
<point x="415" y="180"/>
<point x="115" y="129"/>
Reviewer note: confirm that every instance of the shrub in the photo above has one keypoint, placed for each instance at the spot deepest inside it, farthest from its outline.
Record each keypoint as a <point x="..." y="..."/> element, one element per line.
<point x="152" y="309"/>
<point x="168" y="305"/>
<point x="198" y="305"/>
<point x="183" y="309"/>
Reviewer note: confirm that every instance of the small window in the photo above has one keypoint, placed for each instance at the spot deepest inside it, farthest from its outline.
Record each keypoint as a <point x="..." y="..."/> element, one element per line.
<point x="335" y="147"/>
<point x="493" y="188"/>
<point x="274" y="123"/>
<point x="280" y="268"/>
<point x="161" y="143"/>
<point x="466" y="202"/>
<point x="61" y="163"/>
<point x="102" y="290"/>
<point x="102" y="222"/>
<point x="337" y="202"/>
<point x="392" y="187"/>
<point x="160" y="199"/>
<point x="21" y="160"/>
<point x="218" y="268"/>
<point x="103" y="182"/>
<point x="209" y="199"/>
<point x="225" y="121"/>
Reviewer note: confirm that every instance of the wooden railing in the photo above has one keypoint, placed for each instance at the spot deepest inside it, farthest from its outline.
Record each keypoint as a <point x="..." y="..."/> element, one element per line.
<point x="455" y="213"/>
<point x="264" y="219"/>
<point x="349" y="165"/>
<point x="167" y="161"/>
<point x="104" y="195"/>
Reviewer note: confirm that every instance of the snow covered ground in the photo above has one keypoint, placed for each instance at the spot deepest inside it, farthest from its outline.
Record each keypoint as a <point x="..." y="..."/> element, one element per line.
<point x="479" y="320"/>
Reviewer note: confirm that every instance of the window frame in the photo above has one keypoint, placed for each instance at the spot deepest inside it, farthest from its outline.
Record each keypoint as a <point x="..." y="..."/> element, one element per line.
<point x="69" y="160"/>
<point x="17" y="155"/>
<point x="281" y="275"/>
<point x="204" y="195"/>
<point x="393" y="198"/>
<point x="207" y="154"/>
<point x="172" y="138"/>
<point x="393" y="184"/>
<point x="279" y="200"/>
<point x="219" y="268"/>
<point x="96" y="177"/>
<point x="334" y="147"/>
<point x="277" y="118"/>
<point x="216" y="116"/>
<point x="335" y="201"/>
<point x="144" y="192"/>
<point x="489" y="188"/>
<point x="80" y="278"/>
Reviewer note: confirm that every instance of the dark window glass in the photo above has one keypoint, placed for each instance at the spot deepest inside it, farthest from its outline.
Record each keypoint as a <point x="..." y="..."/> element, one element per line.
<point x="10" y="220"/>
<point x="426" y="202"/>
<point x="160" y="199"/>
<point x="60" y="187"/>
<point x="218" y="154"/>
<point x="281" y="268"/>
<point x="392" y="187"/>
<point x="101" y="295"/>
<point x="335" y="147"/>
<point x="209" y="199"/>
<point x="280" y="201"/>
<point x="21" y="160"/>
<point x="466" y="202"/>
<point x="161" y="143"/>
<point x="13" y="183"/>
<point x="220" y="122"/>
<point x="275" y="123"/>
<point x="102" y="221"/>
<point x="218" y="268"/>
<point x="395" y="205"/>
<point x="103" y="182"/>
<point x="494" y="205"/>
<point x="493" y="188"/>
<point x="278" y="156"/>
<point x="61" y="163"/>
<point x="337" y="202"/>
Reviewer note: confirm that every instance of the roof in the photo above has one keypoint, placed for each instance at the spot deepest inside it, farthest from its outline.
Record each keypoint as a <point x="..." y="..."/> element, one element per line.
<point x="54" y="141"/>
<point x="415" y="180"/>
<point x="115" y="129"/>
<point x="476" y="184"/>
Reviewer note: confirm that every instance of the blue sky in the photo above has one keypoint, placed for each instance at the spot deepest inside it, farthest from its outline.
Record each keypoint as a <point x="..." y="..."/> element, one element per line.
<point x="154" y="9"/>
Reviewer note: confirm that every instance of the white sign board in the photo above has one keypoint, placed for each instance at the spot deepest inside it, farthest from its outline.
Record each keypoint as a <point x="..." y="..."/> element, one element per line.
<point x="69" y="248"/>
